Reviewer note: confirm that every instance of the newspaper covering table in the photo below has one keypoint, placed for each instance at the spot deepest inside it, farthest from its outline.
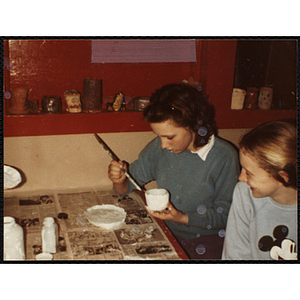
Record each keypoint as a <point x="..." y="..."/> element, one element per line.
<point x="138" y="238"/>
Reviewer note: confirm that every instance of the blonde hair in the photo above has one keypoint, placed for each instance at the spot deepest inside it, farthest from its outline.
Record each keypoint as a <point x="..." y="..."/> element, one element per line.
<point x="274" y="146"/>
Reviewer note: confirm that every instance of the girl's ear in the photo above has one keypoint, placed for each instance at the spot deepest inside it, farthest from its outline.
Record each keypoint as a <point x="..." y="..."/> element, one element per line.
<point x="284" y="175"/>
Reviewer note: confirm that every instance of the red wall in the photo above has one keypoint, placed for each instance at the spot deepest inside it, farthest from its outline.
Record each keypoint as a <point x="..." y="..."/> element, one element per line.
<point x="49" y="67"/>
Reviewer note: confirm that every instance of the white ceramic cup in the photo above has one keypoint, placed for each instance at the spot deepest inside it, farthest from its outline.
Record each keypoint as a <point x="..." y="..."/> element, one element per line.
<point x="157" y="199"/>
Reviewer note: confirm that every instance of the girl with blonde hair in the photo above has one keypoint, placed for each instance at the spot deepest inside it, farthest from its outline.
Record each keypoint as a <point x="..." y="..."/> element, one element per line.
<point x="262" y="222"/>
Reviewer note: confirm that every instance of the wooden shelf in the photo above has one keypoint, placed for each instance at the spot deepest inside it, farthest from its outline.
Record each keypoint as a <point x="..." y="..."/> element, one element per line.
<point x="126" y="121"/>
<point x="76" y="123"/>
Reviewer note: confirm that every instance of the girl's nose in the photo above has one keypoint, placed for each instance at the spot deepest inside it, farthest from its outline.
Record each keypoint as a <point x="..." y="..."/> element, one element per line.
<point x="164" y="144"/>
<point x="243" y="176"/>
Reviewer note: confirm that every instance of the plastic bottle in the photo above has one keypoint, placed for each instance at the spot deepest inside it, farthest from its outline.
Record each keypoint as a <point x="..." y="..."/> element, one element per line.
<point x="13" y="240"/>
<point x="49" y="235"/>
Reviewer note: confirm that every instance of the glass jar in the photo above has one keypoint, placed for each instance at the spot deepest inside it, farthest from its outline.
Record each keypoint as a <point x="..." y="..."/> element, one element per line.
<point x="49" y="235"/>
<point x="13" y="240"/>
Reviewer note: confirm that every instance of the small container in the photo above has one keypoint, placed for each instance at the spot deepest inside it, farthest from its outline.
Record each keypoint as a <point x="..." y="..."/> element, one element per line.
<point x="251" y="98"/>
<point x="13" y="240"/>
<point x="92" y="95"/>
<point x="49" y="235"/>
<point x="238" y="97"/>
<point x="51" y="104"/>
<point x="72" y="98"/>
<point x="265" y="97"/>
<point x="139" y="103"/>
<point x="18" y="101"/>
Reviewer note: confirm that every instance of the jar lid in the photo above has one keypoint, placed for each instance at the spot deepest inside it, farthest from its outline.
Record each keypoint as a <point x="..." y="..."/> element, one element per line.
<point x="62" y="216"/>
<point x="9" y="220"/>
<point x="48" y="220"/>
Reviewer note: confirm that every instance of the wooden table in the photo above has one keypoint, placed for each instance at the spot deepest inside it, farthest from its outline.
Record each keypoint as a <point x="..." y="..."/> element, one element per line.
<point x="141" y="237"/>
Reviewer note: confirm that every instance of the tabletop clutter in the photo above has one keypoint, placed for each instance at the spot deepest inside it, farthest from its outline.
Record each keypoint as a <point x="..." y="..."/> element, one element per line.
<point x="82" y="225"/>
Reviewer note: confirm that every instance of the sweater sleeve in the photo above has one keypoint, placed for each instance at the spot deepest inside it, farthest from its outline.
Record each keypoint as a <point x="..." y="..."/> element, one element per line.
<point x="237" y="243"/>
<point x="224" y="176"/>
<point x="143" y="169"/>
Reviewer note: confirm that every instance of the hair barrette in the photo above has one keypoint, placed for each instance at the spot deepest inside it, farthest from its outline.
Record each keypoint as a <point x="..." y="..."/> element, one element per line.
<point x="202" y="131"/>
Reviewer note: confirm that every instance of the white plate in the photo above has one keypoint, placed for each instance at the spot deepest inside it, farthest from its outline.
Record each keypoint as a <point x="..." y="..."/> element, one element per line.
<point x="106" y="216"/>
<point x="12" y="177"/>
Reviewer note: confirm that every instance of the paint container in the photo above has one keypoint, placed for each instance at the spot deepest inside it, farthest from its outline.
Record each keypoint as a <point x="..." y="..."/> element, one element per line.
<point x="49" y="235"/>
<point x="13" y="240"/>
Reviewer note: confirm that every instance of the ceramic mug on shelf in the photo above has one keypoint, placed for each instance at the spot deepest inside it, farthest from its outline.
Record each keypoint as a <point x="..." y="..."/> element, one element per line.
<point x="18" y="101"/>
<point x="251" y="98"/>
<point x="238" y="97"/>
<point x="265" y="98"/>
<point x="72" y="98"/>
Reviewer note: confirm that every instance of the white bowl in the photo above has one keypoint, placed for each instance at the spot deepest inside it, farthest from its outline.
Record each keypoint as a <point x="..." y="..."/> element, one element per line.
<point x="157" y="199"/>
<point x="12" y="177"/>
<point x="106" y="216"/>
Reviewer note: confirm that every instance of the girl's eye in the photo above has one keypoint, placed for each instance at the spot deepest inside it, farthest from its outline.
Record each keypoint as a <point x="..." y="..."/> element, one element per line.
<point x="170" y="138"/>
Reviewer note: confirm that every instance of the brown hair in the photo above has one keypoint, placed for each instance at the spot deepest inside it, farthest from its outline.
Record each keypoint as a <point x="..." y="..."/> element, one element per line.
<point x="186" y="107"/>
<point x="274" y="146"/>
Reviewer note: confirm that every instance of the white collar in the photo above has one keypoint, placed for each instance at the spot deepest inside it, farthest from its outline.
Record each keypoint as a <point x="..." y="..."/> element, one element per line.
<point x="203" y="151"/>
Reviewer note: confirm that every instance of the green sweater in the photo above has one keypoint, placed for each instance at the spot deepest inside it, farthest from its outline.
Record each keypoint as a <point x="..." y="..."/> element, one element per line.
<point x="201" y="189"/>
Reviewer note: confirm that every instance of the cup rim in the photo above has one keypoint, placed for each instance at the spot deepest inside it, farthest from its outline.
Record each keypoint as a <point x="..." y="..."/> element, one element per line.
<point x="153" y="192"/>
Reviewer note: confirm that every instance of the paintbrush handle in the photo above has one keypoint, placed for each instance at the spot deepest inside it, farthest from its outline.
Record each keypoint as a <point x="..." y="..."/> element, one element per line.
<point x="132" y="180"/>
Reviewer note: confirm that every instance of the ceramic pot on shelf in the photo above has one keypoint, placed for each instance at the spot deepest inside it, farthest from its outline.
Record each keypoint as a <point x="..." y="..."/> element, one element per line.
<point x="265" y="97"/>
<point x="238" y="98"/>
<point x="18" y="101"/>
<point x="92" y="95"/>
<point x="251" y="98"/>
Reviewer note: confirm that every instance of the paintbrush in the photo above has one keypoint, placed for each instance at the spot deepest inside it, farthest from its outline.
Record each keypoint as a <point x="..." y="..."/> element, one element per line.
<point x="116" y="158"/>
